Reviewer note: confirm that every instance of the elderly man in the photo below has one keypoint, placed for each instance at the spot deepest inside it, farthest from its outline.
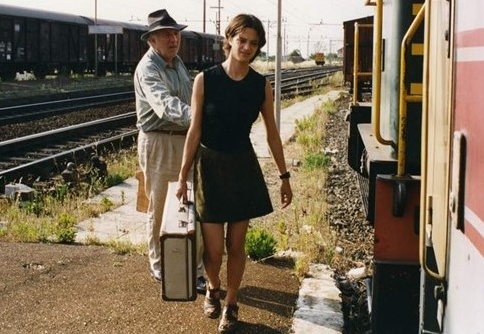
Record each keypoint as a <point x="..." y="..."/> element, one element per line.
<point x="163" y="91"/>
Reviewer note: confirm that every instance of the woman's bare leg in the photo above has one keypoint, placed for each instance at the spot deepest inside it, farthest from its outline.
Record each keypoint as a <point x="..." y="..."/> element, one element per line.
<point x="235" y="244"/>
<point x="213" y="239"/>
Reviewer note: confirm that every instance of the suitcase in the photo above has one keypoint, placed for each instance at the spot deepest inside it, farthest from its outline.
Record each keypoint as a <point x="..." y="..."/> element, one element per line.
<point x="178" y="247"/>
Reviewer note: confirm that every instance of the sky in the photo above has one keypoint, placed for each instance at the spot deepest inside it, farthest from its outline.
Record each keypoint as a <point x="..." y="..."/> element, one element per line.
<point x="307" y="25"/>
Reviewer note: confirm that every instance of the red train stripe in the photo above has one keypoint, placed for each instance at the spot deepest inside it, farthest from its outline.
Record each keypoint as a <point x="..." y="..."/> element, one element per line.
<point x="474" y="237"/>
<point x="470" y="38"/>
<point x="469" y="120"/>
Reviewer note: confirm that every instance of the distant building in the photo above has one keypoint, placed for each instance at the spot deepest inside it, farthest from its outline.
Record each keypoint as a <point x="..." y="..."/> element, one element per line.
<point x="340" y="53"/>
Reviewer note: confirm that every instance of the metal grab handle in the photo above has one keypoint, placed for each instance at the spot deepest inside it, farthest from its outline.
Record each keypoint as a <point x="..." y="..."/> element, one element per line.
<point x="423" y="190"/>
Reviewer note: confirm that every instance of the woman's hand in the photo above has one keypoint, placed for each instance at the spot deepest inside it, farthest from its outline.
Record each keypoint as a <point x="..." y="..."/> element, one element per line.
<point x="286" y="193"/>
<point x="181" y="191"/>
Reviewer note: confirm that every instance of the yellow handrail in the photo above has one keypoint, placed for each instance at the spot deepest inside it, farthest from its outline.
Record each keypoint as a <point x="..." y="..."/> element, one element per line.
<point x="403" y="97"/>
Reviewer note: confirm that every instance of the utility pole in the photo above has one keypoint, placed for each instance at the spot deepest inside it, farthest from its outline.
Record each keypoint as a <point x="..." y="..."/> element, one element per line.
<point x="268" y="36"/>
<point x="217" y="19"/>
<point x="204" y="14"/>
<point x="331" y="47"/>
<point x="269" y="24"/>
<point x="311" y="25"/>
<point x="277" y="88"/>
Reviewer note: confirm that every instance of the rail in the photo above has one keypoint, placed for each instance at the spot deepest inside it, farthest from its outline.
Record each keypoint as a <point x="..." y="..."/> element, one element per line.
<point x="45" y="153"/>
<point x="28" y="112"/>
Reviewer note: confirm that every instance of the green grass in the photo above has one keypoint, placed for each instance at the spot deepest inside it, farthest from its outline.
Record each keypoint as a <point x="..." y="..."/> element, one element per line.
<point x="52" y="213"/>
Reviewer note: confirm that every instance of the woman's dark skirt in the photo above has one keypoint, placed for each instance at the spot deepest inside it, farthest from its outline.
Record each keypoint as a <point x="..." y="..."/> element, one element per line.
<point x="229" y="187"/>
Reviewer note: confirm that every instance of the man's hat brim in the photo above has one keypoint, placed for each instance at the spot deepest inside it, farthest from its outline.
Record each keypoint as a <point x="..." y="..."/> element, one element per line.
<point x="178" y="27"/>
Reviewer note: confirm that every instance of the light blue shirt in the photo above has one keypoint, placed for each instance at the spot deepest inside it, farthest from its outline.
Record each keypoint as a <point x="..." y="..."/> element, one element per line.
<point x="162" y="94"/>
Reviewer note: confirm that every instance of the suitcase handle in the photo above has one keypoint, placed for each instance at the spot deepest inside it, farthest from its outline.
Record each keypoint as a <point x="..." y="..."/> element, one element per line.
<point x="184" y="214"/>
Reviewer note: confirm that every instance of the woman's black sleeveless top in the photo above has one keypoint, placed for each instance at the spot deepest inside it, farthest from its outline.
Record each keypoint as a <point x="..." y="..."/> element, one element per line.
<point x="230" y="108"/>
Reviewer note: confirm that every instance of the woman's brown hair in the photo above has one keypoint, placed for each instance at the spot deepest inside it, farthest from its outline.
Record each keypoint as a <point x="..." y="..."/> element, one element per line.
<point x="239" y="23"/>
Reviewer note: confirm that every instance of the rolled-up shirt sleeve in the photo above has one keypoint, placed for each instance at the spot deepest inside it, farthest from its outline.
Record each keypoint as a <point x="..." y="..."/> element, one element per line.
<point x="162" y="94"/>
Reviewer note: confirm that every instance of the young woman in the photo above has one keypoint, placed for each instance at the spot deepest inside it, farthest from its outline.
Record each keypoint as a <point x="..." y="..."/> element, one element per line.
<point x="229" y="184"/>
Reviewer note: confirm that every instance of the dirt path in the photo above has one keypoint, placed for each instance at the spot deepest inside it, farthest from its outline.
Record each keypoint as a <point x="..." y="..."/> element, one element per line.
<point x="85" y="289"/>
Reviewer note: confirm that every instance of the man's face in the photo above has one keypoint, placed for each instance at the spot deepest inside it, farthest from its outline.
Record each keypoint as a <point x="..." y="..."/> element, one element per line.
<point x="166" y="42"/>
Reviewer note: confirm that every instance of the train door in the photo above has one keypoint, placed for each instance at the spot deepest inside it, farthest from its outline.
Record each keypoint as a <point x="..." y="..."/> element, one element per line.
<point x="452" y="196"/>
<point x="435" y="162"/>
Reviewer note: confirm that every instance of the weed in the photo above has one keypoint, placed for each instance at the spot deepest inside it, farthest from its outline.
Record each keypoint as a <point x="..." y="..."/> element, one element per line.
<point x="124" y="247"/>
<point x="106" y="203"/>
<point x="315" y="160"/>
<point x="65" y="229"/>
<point x="302" y="265"/>
<point x="114" y="179"/>
<point x="92" y="241"/>
<point x="123" y="197"/>
<point x="259" y="243"/>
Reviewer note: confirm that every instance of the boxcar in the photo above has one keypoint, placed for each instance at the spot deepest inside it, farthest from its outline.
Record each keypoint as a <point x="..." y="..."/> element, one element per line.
<point x="115" y="52"/>
<point x="365" y="46"/>
<point x="40" y="41"/>
<point x="43" y="42"/>
<point x="200" y="50"/>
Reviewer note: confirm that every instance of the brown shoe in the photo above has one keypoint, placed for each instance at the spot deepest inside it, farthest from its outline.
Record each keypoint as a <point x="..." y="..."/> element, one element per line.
<point x="211" y="304"/>
<point x="229" y="321"/>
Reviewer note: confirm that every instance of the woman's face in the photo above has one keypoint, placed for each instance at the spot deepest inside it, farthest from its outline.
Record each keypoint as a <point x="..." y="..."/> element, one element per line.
<point x="244" y="45"/>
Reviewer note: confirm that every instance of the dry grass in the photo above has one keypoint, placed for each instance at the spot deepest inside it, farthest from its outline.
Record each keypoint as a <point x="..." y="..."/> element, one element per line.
<point x="264" y="66"/>
<point x="302" y="227"/>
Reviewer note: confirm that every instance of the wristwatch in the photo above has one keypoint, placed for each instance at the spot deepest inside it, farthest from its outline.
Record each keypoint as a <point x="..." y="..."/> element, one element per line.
<point x="285" y="175"/>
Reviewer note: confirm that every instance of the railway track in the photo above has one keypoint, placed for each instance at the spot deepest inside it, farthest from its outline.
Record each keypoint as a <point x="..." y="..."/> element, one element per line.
<point x="31" y="111"/>
<point x="40" y="156"/>
<point x="305" y="83"/>
<point x="293" y="82"/>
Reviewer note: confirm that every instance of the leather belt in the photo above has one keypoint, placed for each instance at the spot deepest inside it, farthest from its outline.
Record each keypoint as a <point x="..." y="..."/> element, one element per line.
<point x="172" y="132"/>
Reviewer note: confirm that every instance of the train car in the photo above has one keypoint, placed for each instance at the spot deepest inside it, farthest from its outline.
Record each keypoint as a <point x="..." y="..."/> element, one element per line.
<point x="418" y="151"/>
<point x="200" y="50"/>
<point x="40" y="41"/>
<point x="44" y="42"/>
<point x="116" y="53"/>
<point x="319" y="59"/>
<point x="358" y="34"/>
